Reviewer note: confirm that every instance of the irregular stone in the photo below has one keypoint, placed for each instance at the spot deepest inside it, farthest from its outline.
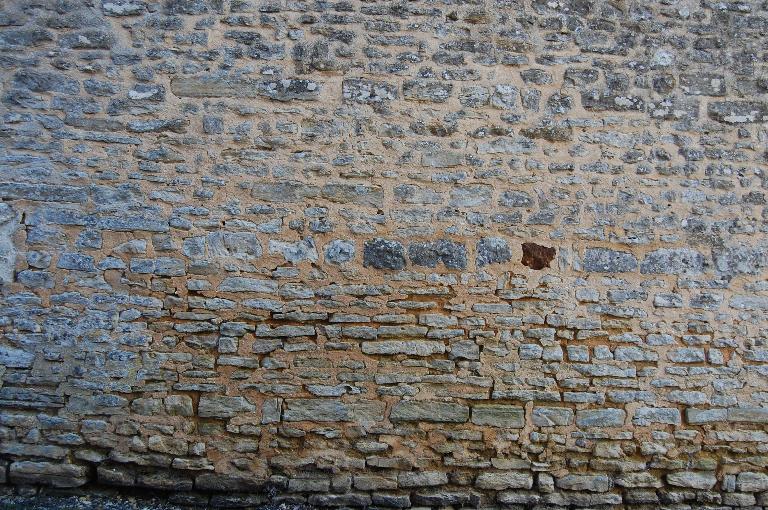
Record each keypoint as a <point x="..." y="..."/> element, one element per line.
<point x="179" y="405"/>
<point x="498" y="481"/>
<point x="371" y="196"/>
<point x="451" y="254"/>
<point x="430" y="411"/>
<point x="702" y="84"/>
<point x="644" y="416"/>
<point x="263" y="330"/>
<point x="339" y="251"/>
<point x="123" y="8"/>
<point x="591" y="483"/>
<point x="748" y="481"/>
<point x="699" y="416"/>
<point x="422" y="479"/>
<point x="747" y="302"/>
<point x="426" y="90"/>
<point x="600" y="417"/>
<point x="679" y="261"/>
<point x="383" y="254"/>
<point x="413" y="348"/>
<point x="43" y="81"/>
<point x="43" y="192"/>
<point x="471" y="195"/>
<point x="641" y="479"/>
<point x="605" y="260"/>
<point x="498" y="415"/>
<point x="442" y="498"/>
<point x="289" y="191"/>
<point x="48" y="473"/>
<point x="687" y="355"/>
<point x="692" y="480"/>
<point x="748" y="414"/>
<point x="507" y="145"/>
<point x="318" y="410"/>
<point x="211" y="406"/>
<point x="286" y="89"/>
<point x="596" y="101"/>
<point x="365" y="91"/>
<point x="88" y="39"/>
<point x="242" y="284"/>
<point x="738" y="112"/>
<point x="580" y="499"/>
<point x="296" y="252"/>
<point x="11" y="357"/>
<point x="340" y="500"/>
<point x="552" y="416"/>
<point x="550" y="133"/>
<point x="492" y="250"/>
<point x="442" y="159"/>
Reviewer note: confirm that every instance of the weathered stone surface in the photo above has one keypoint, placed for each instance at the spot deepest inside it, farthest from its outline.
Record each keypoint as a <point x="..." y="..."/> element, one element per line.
<point x="48" y="473"/>
<point x="443" y="159"/>
<point x="451" y="254"/>
<point x="646" y="415"/>
<point x="316" y="410"/>
<point x="492" y="250"/>
<point x="504" y="480"/>
<point x="11" y="357"/>
<point x="431" y="411"/>
<point x="43" y="81"/>
<point x="738" y="112"/>
<point x="414" y="348"/>
<point x="383" y="254"/>
<point x="590" y="483"/>
<point x="699" y="416"/>
<point x="703" y="84"/>
<point x="552" y="416"/>
<point x="289" y="191"/>
<point x="752" y="482"/>
<point x="498" y="415"/>
<point x="365" y="91"/>
<point x="242" y="284"/>
<point x="426" y="90"/>
<point x="286" y="89"/>
<point x="673" y="261"/>
<point x="692" y="479"/>
<point x="295" y="252"/>
<point x="223" y="407"/>
<point x="339" y="251"/>
<point x="641" y="479"/>
<point x="422" y="479"/>
<point x="594" y="100"/>
<point x="604" y="260"/>
<point x="748" y="414"/>
<point x="600" y="417"/>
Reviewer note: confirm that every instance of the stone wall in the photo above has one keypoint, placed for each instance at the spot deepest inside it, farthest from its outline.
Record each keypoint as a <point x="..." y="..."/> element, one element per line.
<point x="367" y="253"/>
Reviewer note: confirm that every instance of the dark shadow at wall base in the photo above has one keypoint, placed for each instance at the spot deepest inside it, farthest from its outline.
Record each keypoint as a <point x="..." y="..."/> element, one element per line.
<point x="104" y="498"/>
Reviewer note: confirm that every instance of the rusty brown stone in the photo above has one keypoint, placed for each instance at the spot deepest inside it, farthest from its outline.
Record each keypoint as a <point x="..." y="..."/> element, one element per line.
<point x="537" y="256"/>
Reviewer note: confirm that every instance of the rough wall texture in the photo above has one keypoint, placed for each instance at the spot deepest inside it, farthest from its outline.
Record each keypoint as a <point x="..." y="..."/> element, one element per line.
<point x="438" y="253"/>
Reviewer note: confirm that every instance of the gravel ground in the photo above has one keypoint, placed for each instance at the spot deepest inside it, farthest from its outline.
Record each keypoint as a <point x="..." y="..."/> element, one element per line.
<point x="81" y="503"/>
<point x="106" y="502"/>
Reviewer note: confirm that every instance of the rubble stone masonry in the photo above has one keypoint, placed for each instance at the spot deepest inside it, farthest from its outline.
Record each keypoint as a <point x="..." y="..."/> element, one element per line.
<point x="386" y="254"/>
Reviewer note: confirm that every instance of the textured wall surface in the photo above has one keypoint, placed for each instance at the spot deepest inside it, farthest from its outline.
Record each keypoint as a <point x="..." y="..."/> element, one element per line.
<point x="370" y="253"/>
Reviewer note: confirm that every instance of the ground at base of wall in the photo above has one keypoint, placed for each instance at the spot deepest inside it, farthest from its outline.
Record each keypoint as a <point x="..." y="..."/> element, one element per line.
<point x="105" y="500"/>
<point x="61" y="502"/>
